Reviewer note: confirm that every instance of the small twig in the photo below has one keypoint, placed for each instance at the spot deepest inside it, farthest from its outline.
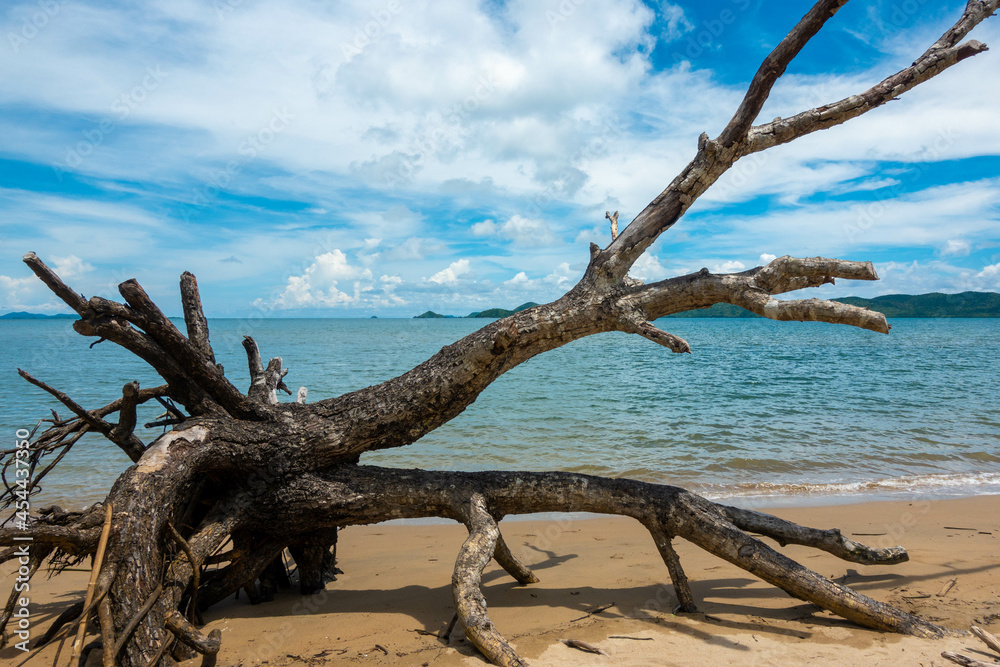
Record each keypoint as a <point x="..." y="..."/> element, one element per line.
<point x="451" y="626"/>
<point x="582" y="646"/>
<point x="98" y="562"/>
<point x="614" y="223"/>
<point x="638" y="639"/>
<point x="947" y="587"/>
<point x="164" y="422"/>
<point x="595" y="610"/>
<point x="170" y="407"/>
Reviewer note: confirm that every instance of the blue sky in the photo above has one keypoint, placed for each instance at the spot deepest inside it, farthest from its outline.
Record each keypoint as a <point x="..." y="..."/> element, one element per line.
<point x="308" y="158"/>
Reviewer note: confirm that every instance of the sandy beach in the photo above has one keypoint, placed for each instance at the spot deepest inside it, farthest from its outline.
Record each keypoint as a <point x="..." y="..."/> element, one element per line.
<point x="394" y="596"/>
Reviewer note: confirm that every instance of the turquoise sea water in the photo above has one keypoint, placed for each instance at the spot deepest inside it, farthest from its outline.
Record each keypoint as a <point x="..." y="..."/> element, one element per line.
<point x="761" y="411"/>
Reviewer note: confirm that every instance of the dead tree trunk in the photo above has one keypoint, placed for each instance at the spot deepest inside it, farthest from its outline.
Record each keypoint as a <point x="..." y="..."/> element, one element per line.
<point x="213" y="478"/>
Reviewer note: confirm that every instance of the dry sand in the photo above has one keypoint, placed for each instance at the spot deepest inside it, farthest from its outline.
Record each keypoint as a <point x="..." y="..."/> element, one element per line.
<point x="396" y="589"/>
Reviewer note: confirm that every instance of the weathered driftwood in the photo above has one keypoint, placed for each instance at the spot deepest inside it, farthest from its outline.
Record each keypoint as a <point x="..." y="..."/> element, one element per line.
<point x="243" y="468"/>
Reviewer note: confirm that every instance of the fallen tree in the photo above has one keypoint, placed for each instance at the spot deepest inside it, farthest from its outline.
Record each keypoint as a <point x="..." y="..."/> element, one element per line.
<point x="265" y="476"/>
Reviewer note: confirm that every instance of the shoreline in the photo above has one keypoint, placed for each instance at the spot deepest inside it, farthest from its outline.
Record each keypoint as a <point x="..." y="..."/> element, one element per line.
<point x="397" y="585"/>
<point x="761" y="496"/>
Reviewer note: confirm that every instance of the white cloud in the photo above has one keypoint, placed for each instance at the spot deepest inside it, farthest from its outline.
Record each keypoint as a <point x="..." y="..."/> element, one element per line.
<point x="729" y="266"/>
<point x="519" y="279"/>
<point x="563" y="276"/>
<point x="484" y="228"/>
<point x="520" y="231"/>
<point x="29" y="293"/>
<point x="677" y="24"/>
<point x="767" y="258"/>
<point x="991" y="274"/>
<point x="320" y="284"/>
<point x="527" y="232"/>
<point x="648" y="268"/>
<point x="451" y="275"/>
<point x="956" y="247"/>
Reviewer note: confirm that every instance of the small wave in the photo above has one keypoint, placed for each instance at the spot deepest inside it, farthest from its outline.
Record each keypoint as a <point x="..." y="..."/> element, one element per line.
<point x="939" y="484"/>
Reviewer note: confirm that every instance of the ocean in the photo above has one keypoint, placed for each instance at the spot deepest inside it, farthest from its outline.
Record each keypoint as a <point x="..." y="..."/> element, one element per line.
<point x="762" y="413"/>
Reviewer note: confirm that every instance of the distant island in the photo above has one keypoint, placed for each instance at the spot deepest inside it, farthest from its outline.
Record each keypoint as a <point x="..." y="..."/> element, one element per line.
<point x="964" y="304"/>
<point x="21" y="315"/>
<point x="492" y="313"/>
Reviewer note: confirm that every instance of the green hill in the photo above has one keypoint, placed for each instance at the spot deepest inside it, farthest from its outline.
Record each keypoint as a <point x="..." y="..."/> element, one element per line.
<point x="965" y="304"/>
<point x="430" y="314"/>
<point x="21" y="315"/>
<point x="496" y="313"/>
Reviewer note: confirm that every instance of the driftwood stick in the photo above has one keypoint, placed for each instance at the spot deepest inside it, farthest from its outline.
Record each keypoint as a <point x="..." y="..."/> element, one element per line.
<point x="960" y="659"/>
<point x="107" y="622"/>
<point x="987" y="638"/>
<point x="98" y="562"/>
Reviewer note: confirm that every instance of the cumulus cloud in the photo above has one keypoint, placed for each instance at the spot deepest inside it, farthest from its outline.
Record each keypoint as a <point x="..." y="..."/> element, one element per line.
<point x="321" y="282"/>
<point x="729" y="266"/>
<point x="648" y="269"/>
<point x="767" y="258"/>
<point x="452" y="274"/>
<point x="991" y="275"/>
<point x="484" y="228"/>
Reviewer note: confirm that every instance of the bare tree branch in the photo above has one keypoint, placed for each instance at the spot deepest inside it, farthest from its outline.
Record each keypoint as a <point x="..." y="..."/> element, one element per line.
<point x="194" y="316"/>
<point x="773" y="67"/>
<point x="715" y="157"/>
<point x="945" y="53"/>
